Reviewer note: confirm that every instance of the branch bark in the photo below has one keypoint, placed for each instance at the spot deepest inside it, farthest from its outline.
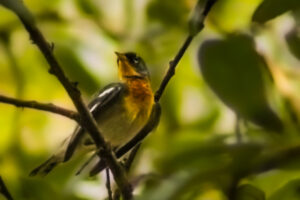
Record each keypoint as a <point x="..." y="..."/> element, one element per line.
<point x="87" y="121"/>
<point x="172" y="66"/>
<point x="202" y="9"/>
<point x="49" y="107"/>
<point x="4" y="190"/>
<point x="196" y="26"/>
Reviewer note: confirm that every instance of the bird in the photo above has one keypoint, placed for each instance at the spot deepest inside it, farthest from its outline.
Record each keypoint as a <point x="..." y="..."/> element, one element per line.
<point x="120" y="109"/>
<point x="234" y="71"/>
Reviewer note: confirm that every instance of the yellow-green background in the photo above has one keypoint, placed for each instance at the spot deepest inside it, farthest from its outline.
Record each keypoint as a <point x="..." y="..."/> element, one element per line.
<point x="86" y="33"/>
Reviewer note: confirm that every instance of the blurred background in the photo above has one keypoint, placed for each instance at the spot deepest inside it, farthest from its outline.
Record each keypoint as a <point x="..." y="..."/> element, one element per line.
<point x="182" y="158"/>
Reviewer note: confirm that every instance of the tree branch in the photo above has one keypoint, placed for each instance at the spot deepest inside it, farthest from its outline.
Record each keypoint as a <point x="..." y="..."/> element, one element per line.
<point x="202" y="9"/>
<point x="87" y="121"/>
<point x="41" y="106"/>
<point x="172" y="66"/>
<point x="196" y="26"/>
<point x="127" y="166"/>
<point x="275" y="159"/>
<point x="108" y="185"/>
<point x="4" y="190"/>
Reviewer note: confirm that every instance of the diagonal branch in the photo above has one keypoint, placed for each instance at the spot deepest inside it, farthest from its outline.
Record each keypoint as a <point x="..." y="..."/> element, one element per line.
<point x="87" y="120"/>
<point x="172" y="66"/>
<point x="196" y="26"/>
<point x="4" y="191"/>
<point x="41" y="106"/>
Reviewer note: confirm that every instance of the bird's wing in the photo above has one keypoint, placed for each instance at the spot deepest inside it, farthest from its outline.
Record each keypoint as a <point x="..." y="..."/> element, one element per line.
<point x="149" y="126"/>
<point x="104" y="98"/>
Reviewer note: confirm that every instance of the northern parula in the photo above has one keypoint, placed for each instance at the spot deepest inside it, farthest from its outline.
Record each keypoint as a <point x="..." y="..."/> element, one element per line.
<point x="120" y="109"/>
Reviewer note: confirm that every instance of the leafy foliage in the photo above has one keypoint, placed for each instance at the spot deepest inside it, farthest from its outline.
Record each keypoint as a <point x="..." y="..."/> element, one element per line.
<point x="288" y="191"/>
<point x="270" y="9"/>
<point x="168" y="12"/>
<point x="237" y="78"/>
<point x="248" y="192"/>
<point x="194" y="153"/>
<point x="293" y="41"/>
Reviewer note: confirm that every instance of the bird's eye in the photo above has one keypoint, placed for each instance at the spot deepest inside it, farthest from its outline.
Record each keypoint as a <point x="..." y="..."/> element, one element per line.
<point x="133" y="58"/>
<point x="136" y="60"/>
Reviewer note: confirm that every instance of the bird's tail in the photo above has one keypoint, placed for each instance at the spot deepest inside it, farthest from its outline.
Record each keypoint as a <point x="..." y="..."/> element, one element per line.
<point x="47" y="166"/>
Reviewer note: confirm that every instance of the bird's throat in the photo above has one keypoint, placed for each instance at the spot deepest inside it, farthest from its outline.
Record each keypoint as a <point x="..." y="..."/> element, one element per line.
<point x="140" y="96"/>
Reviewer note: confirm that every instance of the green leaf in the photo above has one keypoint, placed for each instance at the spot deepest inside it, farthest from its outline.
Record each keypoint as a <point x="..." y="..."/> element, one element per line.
<point x="270" y="9"/>
<point x="189" y="163"/>
<point x="229" y="16"/>
<point x="168" y="12"/>
<point x="191" y="152"/>
<point x="168" y="188"/>
<point x="235" y="72"/>
<point x="88" y="7"/>
<point x="249" y="192"/>
<point x="293" y="41"/>
<point x="290" y="191"/>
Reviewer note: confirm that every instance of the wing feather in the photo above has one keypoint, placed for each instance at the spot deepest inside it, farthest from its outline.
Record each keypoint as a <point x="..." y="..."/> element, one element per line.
<point x="103" y="99"/>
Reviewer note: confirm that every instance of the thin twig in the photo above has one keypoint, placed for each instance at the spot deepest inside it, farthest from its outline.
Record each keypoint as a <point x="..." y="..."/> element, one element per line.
<point x="87" y="120"/>
<point x="116" y="195"/>
<point x="170" y="73"/>
<point x="198" y="21"/>
<point x="127" y="166"/>
<point x="131" y="157"/>
<point x="4" y="190"/>
<point x="108" y="185"/>
<point x="49" y="107"/>
<point x="172" y="66"/>
<point x="86" y="164"/>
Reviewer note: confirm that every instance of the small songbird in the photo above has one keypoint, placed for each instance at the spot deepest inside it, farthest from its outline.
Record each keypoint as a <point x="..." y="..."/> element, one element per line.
<point x="235" y="72"/>
<point x="120" y="109"/>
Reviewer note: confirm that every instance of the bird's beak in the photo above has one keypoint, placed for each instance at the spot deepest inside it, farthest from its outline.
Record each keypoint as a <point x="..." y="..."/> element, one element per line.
<point x="117" y="53"/>
<point x="125" y="69"/>
<point x="120" y="56"/>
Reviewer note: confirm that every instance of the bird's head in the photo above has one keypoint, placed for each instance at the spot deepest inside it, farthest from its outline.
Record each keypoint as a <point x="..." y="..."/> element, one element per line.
<point x="131" y="66"/>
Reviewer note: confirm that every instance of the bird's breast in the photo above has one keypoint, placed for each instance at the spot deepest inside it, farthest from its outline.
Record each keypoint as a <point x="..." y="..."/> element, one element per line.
<point x="139" y="99"/>
<point x="122" y="121"/>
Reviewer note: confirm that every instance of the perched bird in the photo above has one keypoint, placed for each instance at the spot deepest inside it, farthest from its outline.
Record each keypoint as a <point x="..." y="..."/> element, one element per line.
<point x="120" y="109"/>
<point x="235" y="72"/>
